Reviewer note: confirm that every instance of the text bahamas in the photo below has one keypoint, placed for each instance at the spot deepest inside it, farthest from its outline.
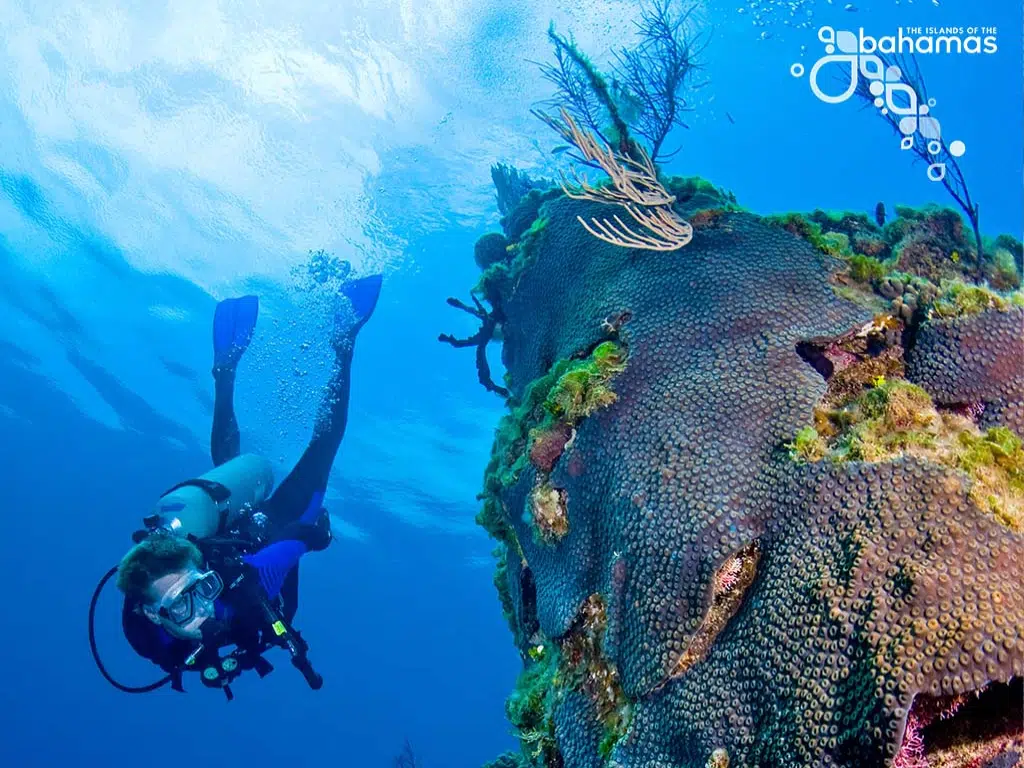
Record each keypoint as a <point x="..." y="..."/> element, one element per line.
<point x="903" y="43"/>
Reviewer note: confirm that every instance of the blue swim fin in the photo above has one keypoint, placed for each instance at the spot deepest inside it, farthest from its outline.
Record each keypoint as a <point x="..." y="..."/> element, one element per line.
<point x="234" y="321"/>
<point x="363" y="292"/>
<point x="358" y="300"/>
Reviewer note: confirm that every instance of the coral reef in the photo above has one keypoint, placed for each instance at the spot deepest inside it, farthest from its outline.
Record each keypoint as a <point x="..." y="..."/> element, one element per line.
<point x="635" y="187"/>
<point x="529" y="709"/>
<point x="974" y="361"/>
<point x="931" y="244"/>
<point x="490" y="249"/>
<point x="644" y="95"/>
<point x="539" y="429"/>
<point x="711" y="596"/>
<point x="547" y="506"/>
<point x="896" y="419"/>
<point x="510" y="185"/>
<point x="565" y="682"/>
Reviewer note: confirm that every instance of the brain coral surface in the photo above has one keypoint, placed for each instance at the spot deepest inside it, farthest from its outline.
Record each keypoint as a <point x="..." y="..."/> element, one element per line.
<point x="870" y="583"/>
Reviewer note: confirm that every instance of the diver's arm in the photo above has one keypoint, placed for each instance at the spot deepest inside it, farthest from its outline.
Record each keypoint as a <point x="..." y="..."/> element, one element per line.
<point x="275" y="561"/>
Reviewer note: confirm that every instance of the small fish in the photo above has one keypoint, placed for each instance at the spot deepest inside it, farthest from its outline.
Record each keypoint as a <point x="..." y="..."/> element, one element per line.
<point x="850" y="7"/>
<point x="730" y="118"/>
<point x="956" y="257"/>
<point x="560" y="149"/>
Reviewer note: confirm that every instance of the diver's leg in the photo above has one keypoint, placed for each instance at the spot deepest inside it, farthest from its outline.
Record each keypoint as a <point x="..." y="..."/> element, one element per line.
<point x="300" y="496"/>
<point x="233" y="323"/>
<point x="225" y="439"/>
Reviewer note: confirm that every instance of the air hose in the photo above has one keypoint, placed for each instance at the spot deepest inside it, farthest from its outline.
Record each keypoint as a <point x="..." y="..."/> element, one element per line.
<point x="95" y="653"/>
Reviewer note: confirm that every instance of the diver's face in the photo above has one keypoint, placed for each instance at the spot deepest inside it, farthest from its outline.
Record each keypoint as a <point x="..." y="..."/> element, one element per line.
<point x="166" y="592"/>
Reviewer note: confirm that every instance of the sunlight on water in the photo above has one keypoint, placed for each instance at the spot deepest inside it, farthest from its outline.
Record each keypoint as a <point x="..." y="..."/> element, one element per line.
<point x="221" y="141"/>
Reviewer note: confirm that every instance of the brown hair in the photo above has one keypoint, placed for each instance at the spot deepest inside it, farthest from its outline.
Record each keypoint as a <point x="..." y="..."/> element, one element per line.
<point x="152" y="558"/>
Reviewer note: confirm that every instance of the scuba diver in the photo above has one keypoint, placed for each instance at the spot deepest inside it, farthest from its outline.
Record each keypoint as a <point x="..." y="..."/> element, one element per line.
<point x="217" y="562"/>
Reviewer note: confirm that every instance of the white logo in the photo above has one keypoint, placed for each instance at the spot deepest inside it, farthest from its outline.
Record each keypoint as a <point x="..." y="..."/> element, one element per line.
<point x="892" y="95"/>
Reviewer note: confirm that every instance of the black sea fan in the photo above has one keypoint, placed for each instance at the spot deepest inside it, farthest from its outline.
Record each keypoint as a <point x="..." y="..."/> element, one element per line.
<point x="644" y="95"/>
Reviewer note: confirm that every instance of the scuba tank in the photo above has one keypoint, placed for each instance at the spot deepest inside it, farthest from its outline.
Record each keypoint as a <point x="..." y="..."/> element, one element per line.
<point x="213" y="502"/>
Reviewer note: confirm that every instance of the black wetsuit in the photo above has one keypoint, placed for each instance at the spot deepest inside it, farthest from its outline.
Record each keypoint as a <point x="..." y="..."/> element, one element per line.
<point x="294" y="507"/>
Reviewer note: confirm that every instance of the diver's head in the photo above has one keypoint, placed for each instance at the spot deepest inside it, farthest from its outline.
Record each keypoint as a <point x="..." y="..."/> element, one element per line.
<point x="165" y="574"/>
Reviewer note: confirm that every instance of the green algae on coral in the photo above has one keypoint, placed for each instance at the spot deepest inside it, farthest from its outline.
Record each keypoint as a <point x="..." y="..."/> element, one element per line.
<point x="548" y="515"/>
<point x="530" y="708"/>
<point x="586" y="668"/>
<point x="500" y="554"/>
<point x="995" y="460"/>
<point x="507" y="760"/>
<point x="519" y="219"/>
<point x="807" y="445"/>
<point x="499" y="278"/>
<point x="575" y="663"/>
<point x="837" y="243"/>
<point x="960" y="299"/>
<point x="927" y="244"/>
<point x="569" y="392"/>
<point x="490" y="249"/>
<point x="583" y="388"/>
<point x="862" y="268"/>
<point x="865" y="269"/>
<point x="537" y="429"/>
<point x="693" y="193"/>
<point x="898" y="419"/>
<point x="798" y="225"/>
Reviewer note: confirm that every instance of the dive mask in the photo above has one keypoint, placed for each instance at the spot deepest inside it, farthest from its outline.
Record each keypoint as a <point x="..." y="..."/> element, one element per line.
<point x="189" y="603"/>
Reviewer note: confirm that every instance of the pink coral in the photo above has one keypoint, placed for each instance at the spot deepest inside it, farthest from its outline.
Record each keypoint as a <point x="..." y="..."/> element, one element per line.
<point x="911" y="754"/>
<point x="923" y="713"/>
<point x="971" y="410"/>
<point x="726" y="578"/>
<point x="548" y="446"/>
<point x="839" y="357"/>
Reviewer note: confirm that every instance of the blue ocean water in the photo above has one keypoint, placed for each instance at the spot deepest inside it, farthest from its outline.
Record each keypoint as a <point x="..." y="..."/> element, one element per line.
<point x="157" y="157"/>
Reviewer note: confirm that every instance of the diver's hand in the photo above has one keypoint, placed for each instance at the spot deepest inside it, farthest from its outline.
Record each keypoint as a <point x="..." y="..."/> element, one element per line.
<point x="316" y="537"/>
